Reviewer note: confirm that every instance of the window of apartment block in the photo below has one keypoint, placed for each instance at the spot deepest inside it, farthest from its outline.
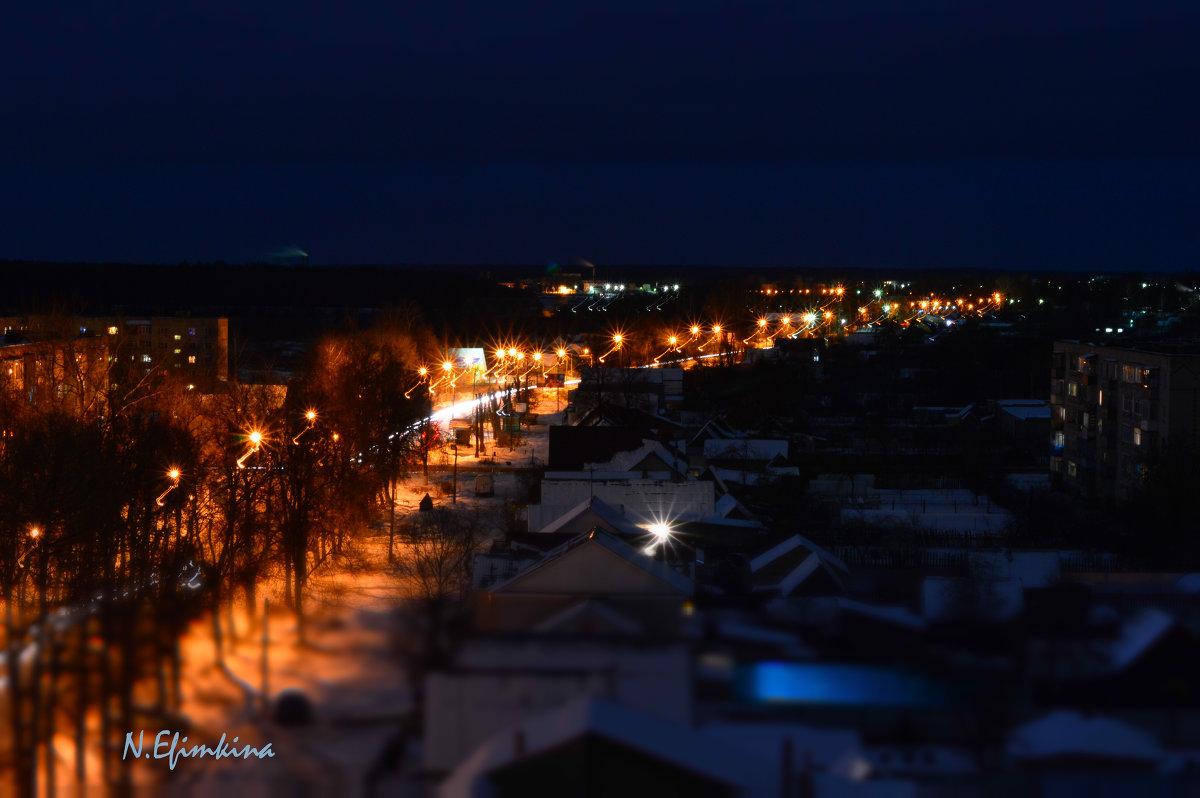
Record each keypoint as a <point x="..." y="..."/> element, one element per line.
<point x="177" y="351"/>
<point x="178" y="337"/>
<point x="1131" y="374"/>
<point x="1072" y="470"/>
<point x="146" y="358"/>
<point x="191" y="330"/>
<point x="191" y="358"/>
<point x="1126" y="433"/>
<point x="112" y="330"/>
<point x="1060" y="413"/>
<point x="1072" y="389"/>
<point x="1060" y="440"/>
<point x="1137" y="437"/>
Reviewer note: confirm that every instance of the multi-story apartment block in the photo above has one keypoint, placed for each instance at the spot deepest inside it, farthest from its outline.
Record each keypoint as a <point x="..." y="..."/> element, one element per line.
<point x="1114" y="410"/>
<point x="193" y="349"/>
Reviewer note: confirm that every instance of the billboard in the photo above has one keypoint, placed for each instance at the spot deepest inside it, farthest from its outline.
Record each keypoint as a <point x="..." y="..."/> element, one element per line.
<point x="467" y="357"/>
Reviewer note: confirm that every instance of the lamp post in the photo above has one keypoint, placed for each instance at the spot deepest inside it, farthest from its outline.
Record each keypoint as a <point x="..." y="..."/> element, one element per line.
<point x="173" y="475"/>
<point x="672" y="343"/>
<point x="255" y="438"/>
<point x="311" y="417"/>
<point x="475" y="406"/>
<point x="562" y="355"/>
<point x="617" y="340"/>
<point x="422" y="372"/>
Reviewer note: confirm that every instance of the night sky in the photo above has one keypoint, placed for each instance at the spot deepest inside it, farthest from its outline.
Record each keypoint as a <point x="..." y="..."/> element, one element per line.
<point x="848" y="133"/>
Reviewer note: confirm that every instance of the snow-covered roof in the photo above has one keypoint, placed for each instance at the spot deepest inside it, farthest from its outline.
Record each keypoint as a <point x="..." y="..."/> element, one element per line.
<point x="727" y="504"/>
<point x="602" y="510"/>
<point x="1027" y="412"/>
<point x="896" y="615"/>
<point x="1070" y="733"/>
<point x="615" y="545"/>
<point x="653" y="737"/>
<point x="795" y="541"/>
<point x="789" y="563"/>
<point x="715" y="428"/>
<point x="631" y="459"/>
<point x="1136" y="635"/>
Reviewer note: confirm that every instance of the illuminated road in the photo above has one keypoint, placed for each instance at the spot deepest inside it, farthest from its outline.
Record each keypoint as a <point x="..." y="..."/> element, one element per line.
<point x="467" y="407"/>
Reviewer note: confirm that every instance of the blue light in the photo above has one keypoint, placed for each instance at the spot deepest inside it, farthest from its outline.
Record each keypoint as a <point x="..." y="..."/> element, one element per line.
<point x="845" y="685"/>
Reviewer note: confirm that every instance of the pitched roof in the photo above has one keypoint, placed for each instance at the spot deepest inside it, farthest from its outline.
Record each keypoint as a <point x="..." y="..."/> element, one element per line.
<point x="789" y="563"/>
<point x="633" y="459"/>
<point x="1136" y="636"/>
<point x="611" y="518"/>
<point x="613" y="544"/>
<point x="653" y="737"/>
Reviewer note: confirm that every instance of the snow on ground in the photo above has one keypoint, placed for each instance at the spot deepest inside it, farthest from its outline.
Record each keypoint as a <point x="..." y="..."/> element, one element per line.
<point x="350" y="668"/>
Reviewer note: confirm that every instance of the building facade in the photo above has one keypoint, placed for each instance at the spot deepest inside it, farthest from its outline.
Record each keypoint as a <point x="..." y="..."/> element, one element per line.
<point x="192" y="349"/>
<point x="1115" y="410"/>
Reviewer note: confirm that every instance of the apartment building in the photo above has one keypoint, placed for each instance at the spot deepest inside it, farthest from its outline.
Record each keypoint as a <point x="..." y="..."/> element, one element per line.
<point x="190" y="348"/>
<point x="1114" y="411"/>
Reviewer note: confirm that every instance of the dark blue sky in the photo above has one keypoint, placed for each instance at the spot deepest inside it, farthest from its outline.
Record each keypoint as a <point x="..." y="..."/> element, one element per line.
<point x="836" y="134"/>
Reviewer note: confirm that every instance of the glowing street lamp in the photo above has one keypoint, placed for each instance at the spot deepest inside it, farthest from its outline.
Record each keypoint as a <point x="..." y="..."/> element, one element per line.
<point x="617" y="340"/>
<point x="311" y="417"/>
<point x="672" y="344"/>
<point x="716" y="331"/>
<point x="255" y="437"/>
<point x="423" y="373"/>
<point x="173" y="475"/>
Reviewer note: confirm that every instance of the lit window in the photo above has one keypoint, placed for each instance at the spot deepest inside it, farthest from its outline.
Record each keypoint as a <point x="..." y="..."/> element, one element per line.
<point x="146" y="358"/>
<point x="191" y="330"/>
<point x="178" y="337"/>
<point x="1072" y="470"/>
<point x="177" y="351"/>
<point x="1060" y="440"/>
<point x="112" y="330"/>
<point x="1137" y="436"/>
<point x="191" y="358"/>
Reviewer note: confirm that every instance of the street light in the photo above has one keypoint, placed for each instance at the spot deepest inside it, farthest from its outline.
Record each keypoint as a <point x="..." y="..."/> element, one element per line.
<point x="672" y="343"/>
<point x="716" y="330"/>
<point x="423" y="373"/>
<point x="311" y="417"/>
<point x="173" y="475"/>
<point x="617" y="340"/>
<point x="255" y="437"/>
